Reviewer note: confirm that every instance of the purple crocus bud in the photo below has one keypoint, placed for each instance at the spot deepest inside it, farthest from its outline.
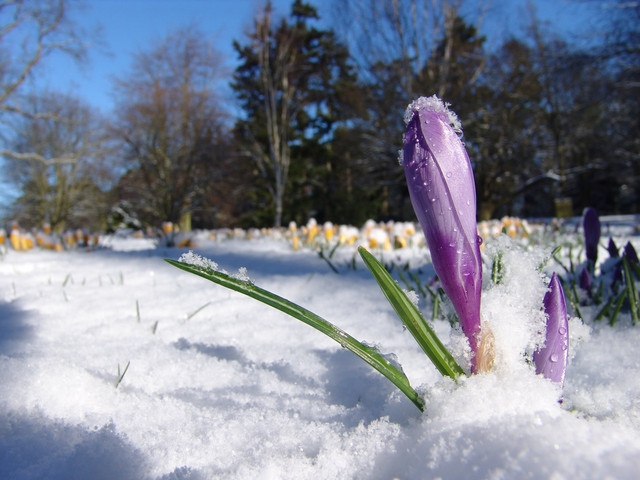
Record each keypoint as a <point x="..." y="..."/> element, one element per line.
<point x="591" y="227"/>
<point x="630" y="253"/>
<point x="443" y="194"/>
<point x="585" y="280"/>
<point x="612" y="248"/>
<point x="551" y="360"/>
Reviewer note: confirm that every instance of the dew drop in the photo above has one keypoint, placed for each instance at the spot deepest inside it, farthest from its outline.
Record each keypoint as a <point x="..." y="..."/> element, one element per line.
<point x="564" y="348"/>
<point x="479" y="240"/>
<point x="554" y="357"/>
<point x="448" y="174"/>
<point x="562" y="330"/>
<point x="433" y="200"/>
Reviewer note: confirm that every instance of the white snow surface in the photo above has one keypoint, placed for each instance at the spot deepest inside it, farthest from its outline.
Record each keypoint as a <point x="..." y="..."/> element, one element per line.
<point x="221" y="386"/>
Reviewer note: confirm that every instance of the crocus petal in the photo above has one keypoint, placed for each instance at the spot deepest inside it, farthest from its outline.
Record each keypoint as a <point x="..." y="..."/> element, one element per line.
<point x="591" y="227"/>
<point x="585" y="280"/>
<point x="612" y="248"/>
<point x="442" y="191"/>
<point x="551" y="360"/>
<point x="630" y="253"/>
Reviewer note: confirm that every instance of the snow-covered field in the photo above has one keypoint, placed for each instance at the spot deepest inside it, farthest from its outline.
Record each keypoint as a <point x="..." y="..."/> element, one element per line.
<point x="220" y="386"/>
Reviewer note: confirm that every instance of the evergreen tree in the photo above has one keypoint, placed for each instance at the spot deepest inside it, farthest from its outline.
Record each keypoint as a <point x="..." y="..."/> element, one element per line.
<point x="295" y="87"/>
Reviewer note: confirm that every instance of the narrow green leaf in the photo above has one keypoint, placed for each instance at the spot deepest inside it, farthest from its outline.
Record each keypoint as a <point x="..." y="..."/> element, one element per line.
<point x="198" y="310"/>
<point x="497" y="274"/>
<point x="367" y="353"/>
<point x="632" y="293"/>
<point x="404" y="280"/>
<point x="412" y="318"/>
<point x="554" y="254"/>
<point x="571" y="296"/>
<point x="605" y="309"/>
<point x="617" y="308"/>
<point x="416" y="279"/>
<point x="328" y="260"/>
<point x="121" y="376"/>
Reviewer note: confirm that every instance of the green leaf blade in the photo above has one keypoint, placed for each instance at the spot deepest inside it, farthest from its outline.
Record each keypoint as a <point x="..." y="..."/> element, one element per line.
<point x="367" y="353"/>
<point x="412" y="318"/>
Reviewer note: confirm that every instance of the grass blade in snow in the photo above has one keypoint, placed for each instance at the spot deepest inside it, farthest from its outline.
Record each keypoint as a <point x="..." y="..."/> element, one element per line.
<point x="365" y="352"/>
<point x="412" y="318"/>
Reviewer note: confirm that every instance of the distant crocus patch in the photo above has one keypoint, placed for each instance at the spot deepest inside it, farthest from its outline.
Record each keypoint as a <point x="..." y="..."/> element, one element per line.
<point x="442" y="191"/>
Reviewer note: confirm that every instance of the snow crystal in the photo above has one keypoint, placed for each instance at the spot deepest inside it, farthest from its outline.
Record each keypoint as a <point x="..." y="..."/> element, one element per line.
<point x="242" y="275"/>
<point x="413" y="296"/>
<point x="196" y="260"/>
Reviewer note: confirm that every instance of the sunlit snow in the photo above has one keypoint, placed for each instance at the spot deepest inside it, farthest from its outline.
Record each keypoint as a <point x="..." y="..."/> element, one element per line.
<point x="220" y="386"/>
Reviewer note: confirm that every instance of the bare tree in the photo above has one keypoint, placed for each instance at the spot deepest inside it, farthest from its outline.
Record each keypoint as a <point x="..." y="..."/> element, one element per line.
<point x="291" y="84"/>
<point x="170" y="123"/>
<point x="30" y="31"/>
<point x="406" y="33"/>
<point x="61" y="174"/>
<point x="276" y="60"/>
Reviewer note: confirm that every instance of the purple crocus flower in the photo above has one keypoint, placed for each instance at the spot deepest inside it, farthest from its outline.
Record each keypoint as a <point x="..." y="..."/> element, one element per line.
<point x="551" y="360"/>
<point x="585" y="281"/>
<point x="591" y="227"/>
<point x="631" y="253"/>
<point x="612" y="248"/>
<point x="443" y="194"/>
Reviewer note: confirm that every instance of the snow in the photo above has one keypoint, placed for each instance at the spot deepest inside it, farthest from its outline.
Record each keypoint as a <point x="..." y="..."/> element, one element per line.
<point x="220" y="386"/>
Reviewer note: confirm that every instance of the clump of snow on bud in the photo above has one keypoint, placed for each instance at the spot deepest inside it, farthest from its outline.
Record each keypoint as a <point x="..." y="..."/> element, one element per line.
<point x="436" y="105"/>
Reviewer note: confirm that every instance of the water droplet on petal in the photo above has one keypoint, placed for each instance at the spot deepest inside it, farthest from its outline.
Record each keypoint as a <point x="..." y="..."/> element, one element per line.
<point x="564" y="347"/>
<point x="448" y="174"/>
<point x="562" y="330"/>
<point x="554" y="357"/>
<point x="479" y="239"/>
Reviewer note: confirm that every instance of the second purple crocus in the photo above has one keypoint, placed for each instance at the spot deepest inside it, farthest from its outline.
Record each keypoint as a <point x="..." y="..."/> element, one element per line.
<point x="551" y="360"/>
<point x="443" y="195"/>
<point x="591" y="228"/>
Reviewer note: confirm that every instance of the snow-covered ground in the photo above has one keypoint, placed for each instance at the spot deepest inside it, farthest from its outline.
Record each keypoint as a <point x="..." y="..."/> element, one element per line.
<point x="220" y="386"/>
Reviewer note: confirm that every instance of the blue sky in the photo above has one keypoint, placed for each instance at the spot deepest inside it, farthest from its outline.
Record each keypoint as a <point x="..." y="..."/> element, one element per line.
<point x="130" y="26"/>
